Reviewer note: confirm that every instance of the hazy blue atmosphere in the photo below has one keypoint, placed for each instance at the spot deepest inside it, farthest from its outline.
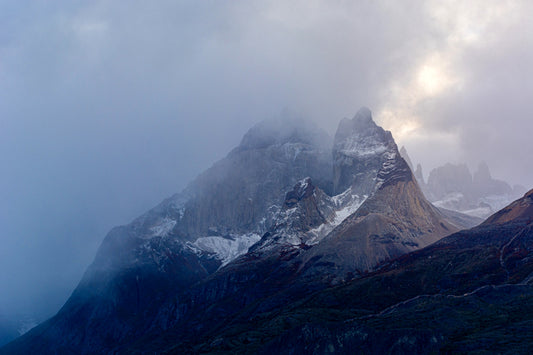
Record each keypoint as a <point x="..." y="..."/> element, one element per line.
<point x="107" y="107"/>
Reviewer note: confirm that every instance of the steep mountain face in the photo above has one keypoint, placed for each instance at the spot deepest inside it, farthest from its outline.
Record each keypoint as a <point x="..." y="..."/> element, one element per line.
<point x="197" y="261"/>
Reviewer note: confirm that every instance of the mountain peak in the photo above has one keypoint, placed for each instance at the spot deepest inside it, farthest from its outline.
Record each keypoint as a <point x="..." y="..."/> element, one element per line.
<point x="360" y="149"/>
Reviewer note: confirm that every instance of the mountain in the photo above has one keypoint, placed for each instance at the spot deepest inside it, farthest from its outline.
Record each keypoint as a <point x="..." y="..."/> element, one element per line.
<point x="393" y="220"/>
<point x="455" y="187"/>
<point x="286" y="213"/>
<point x="186" y="238"/>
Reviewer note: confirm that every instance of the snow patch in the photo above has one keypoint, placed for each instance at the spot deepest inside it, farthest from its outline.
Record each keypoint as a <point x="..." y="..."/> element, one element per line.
<point x="347" y="211"/>
<point x="347" y="203"/>
<point x="497" y="202"/>
<point x="449" y="200"/>
<point x="226" y="249"/>
<point x="362" y="147"/>
<point x="163" y="228"/>
<point x="292" y="150"/>
<point x="481" y="212"/>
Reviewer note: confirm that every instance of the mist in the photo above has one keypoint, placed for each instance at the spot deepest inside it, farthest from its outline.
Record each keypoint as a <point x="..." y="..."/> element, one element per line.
<point x="107" y="107"/>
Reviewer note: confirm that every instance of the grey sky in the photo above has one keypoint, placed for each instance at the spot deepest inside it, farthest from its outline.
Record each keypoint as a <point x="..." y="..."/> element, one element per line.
<point x="107" y="107"/>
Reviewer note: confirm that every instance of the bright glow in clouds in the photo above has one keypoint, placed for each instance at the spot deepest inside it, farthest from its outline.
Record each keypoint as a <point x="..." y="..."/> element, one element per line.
<point x="440" y="74"/>
<point x="432" y="80"/>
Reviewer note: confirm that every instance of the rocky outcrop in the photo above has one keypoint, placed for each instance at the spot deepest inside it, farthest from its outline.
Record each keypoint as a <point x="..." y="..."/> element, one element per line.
<point x="305" y="209"/>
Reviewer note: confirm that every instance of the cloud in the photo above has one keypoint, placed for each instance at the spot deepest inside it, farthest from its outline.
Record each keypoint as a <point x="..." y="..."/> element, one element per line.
<point x="107" y="107"/>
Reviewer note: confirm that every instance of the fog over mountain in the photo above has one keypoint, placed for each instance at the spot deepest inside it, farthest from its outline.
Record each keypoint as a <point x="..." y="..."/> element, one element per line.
<point x="108" y="107"/>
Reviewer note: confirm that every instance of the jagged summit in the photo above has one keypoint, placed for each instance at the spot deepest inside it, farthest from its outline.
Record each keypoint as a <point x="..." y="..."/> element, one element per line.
<point x="482" y="174"/>
<point x="360" y="149"/>
<point x="361" y="136"/>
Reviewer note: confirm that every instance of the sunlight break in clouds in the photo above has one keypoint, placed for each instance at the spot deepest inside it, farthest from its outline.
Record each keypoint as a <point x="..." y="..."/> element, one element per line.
<point x="439" y="74"/>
